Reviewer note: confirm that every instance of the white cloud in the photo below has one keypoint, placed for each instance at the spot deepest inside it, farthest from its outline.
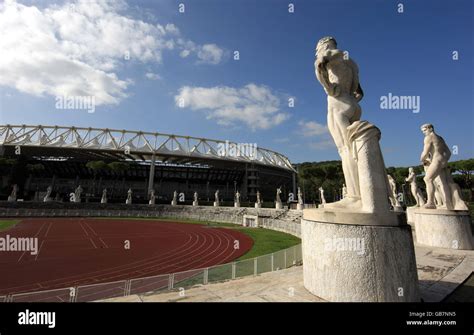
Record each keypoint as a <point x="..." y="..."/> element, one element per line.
<point x="255" y="106"/>
<point x="312" y="128"/>
<point x="77" y="48"/>
<point x="152" y="76"/>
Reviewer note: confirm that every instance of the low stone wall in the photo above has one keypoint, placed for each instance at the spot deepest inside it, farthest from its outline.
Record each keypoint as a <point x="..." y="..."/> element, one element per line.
<point x="270" y="218"/>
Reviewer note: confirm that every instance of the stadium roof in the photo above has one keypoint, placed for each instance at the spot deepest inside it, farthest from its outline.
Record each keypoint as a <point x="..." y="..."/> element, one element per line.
<point x="98" y="143"/>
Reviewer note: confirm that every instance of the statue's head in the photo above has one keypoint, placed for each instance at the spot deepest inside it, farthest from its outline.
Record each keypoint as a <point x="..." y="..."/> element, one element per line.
<point x="427" y="128"/>
<point x="410" y="170"/>
<point x="326" y="43"/>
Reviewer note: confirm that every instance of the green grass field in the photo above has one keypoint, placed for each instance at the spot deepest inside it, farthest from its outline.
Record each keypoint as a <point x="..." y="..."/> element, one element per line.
<point x="5" y="224"/>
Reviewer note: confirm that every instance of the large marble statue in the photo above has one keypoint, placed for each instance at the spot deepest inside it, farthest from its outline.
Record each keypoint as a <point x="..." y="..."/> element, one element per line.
<point x="415" y="191"/>
<point x="339" y="76"/>
<point x="392" y="195"/>
<point x="321" y="195"/>
<point x="103" y="200"/>
<point x="129" y="197"/>
<point x="47" y="197"/>
<point x="435" y="157"/>
<point x="77" y="193"/>
<point x="152" y="197"/>
<point x="13" y="195"/>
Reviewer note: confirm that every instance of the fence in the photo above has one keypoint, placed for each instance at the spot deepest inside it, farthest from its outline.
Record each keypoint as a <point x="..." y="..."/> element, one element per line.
<point x="249" y="267"/>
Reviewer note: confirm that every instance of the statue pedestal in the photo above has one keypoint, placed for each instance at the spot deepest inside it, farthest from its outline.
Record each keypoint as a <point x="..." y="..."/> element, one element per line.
<point x="443" y="228"/>
<point x="257" y="205"/>
<point x="47" y="199"/>
<point x="103" y="201"/>
<point x="11" y="199"/>
<point x="278" y="205"/>
<point x="236" y="204"/>
<point x="358" y="257"/>
<point x="195" y="203"/>
<point x="299" y="207"/>
<point x="174" y="203"/>
<point x="411" y="215"/>
<point x="151" y="202"/>
<point x="216" y="204"/>
<point x="128" y="201"/>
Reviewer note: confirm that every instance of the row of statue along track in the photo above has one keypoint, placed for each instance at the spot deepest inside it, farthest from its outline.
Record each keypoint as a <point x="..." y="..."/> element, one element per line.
<point x="81" y="251"/>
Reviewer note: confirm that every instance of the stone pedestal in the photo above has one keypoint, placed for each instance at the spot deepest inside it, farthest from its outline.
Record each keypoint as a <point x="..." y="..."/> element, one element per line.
<point x="11" y="199"/>
<point x="151" y="202"/>
<point x="128" y="201"/>
<point x="103" y="201"/>
<point x="299" y="207"/>
<point x="216" y="204"/>
<point x="411" y="215"/>
<point x="236" y="204"/>
<point x="278" y="205"/>
<point x="443" y="228"/>
<point x="358" y="257"/>
<point x="257" y="205"/>
<point x="195" y="203"/>
<point x="174" y="202"/>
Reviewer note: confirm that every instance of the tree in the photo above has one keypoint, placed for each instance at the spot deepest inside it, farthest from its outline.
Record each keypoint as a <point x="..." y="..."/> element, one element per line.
<point x="96" y="167"/>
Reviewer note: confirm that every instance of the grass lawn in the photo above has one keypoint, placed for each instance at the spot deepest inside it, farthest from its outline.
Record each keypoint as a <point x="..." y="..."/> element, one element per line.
<point x="5" y="224"/>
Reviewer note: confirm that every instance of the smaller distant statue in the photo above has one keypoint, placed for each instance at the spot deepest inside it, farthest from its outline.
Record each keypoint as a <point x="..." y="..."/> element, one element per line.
<point x="151" y="201"/>
<point x="258" y="204"/>
<point x="415" y="191"/>
<point x="195" y="199"/>
<point x="392" y="193"/>
<point x="174" y="202"/>
<point x="344" y="191"/>
<point x="300" y="196"/>
<point x="77" y="193"/>
<point x="278" y="204"/>
<point x="47" y="197"/>
<point x="321" y="195"/>
<point x="216" y="201"/>
<point x="103" y="200"/>
<point x="237" y="199"/>
<point x="435" y="157"/>
<point x="129" y="197"/>
<point x="13" y="195"/>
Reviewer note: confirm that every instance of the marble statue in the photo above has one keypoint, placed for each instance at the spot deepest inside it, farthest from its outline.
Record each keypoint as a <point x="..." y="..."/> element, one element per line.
<point x="340" y="79"/>
<point x="435" y="157"/>
<point x="103" y="200"/>
<point x="77" y="193"/>
<point x="415" y="191"/>
<point x="357" y="141"/>
<point x="195" y="199"/>
<point x="344" y="191"/>
<point x="259" y="199"/>
<point x="174" y="202"/>
<point x="129" y="197"/>
<point x="392" y="195"/>
<point x="195" y="196"/>
<point x="300" y="196"/>
<point x="47" y="197"/>
<point x="216" y="201"/>
<point x="321" y="195"/>
<point x="13" y="195"/>
<point x="152" y="199"/>
<point x="237" y="199"/>
<point x="278" y="192"/>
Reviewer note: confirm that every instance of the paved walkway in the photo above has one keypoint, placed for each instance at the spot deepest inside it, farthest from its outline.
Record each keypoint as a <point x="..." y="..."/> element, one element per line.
<point x="440" y="271"/>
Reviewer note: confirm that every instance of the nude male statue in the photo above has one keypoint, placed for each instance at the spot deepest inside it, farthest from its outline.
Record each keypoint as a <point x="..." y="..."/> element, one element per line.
<point x="435" y="158"/>
<point x="339" y="76"/>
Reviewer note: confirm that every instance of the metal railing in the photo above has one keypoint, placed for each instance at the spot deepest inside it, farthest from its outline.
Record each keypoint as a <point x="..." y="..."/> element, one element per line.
<point x="276" y="261"/>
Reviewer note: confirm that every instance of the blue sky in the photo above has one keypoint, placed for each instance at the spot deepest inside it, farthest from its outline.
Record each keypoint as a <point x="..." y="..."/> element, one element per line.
<point x="245" y="100"/>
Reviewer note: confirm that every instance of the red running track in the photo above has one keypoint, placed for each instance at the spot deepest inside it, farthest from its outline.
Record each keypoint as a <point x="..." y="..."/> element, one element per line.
<point x="82" y="251"/>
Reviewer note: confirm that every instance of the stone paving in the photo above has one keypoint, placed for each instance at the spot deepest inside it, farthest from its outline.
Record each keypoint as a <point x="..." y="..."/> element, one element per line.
<point x="440" y="271"/>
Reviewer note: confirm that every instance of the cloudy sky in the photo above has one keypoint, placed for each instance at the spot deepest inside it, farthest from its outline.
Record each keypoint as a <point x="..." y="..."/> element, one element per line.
<point x="239" y="70"/>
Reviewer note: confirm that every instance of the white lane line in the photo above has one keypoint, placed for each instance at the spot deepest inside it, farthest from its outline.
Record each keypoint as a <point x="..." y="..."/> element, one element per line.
<point x="83" y="229"/>
<point x="39" y="250"/>
<point x="47" y="230"/>
<point x="92" y="243"/>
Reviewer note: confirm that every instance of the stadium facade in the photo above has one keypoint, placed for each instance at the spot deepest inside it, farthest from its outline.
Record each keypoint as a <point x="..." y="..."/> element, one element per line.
<point x="36" y="157"/>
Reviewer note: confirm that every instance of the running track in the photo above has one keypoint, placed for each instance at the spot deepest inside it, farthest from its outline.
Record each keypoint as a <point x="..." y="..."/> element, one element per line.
<point x="85" y="251"/>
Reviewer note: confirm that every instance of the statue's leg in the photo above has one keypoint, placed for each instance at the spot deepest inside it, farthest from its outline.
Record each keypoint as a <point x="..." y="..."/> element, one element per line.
<point x="415" y="195"/>
<point x="430" y="187"/>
